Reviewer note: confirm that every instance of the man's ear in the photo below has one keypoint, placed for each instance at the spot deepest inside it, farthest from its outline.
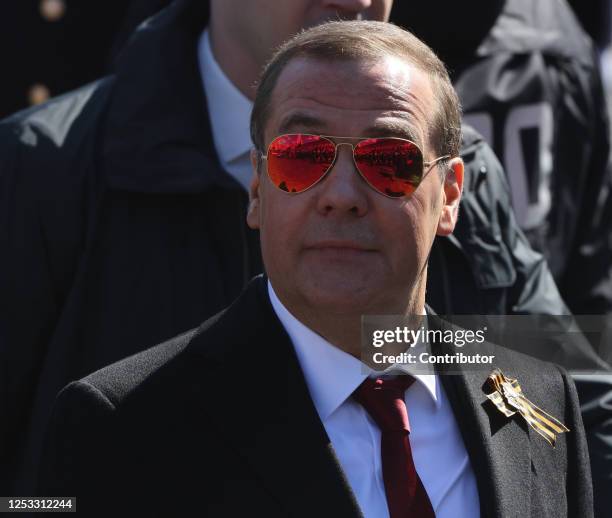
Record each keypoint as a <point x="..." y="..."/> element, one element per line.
<point x="453" y="185"/>
<point x="253" y="210"/>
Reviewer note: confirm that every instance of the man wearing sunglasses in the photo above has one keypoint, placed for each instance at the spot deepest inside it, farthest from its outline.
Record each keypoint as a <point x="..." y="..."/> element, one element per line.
<point x="266" y="409"/>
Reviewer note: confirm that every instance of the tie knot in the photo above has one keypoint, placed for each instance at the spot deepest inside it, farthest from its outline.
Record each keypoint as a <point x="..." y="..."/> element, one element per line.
<point x="383" y="398"/>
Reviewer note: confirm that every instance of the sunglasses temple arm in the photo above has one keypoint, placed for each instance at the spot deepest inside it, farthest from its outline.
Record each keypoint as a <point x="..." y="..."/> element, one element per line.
<point x="435" y="161"/>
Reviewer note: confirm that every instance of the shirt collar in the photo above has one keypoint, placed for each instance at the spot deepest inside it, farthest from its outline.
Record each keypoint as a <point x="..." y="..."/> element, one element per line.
<point x="228" y="108"/>
<point x="331" y="374"/>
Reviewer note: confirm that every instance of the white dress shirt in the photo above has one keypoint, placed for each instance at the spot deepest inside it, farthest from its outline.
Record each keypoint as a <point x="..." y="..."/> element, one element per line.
<point x="229" y="112"/>
<point x="439" y="454"/>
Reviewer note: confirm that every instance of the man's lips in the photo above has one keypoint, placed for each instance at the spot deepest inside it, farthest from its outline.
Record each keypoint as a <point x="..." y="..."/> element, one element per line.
<point x="340" y="245"/>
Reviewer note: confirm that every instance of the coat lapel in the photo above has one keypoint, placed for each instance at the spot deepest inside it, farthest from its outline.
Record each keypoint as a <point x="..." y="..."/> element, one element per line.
<point x="254" y="393"/>
<point x="498" y="447"/>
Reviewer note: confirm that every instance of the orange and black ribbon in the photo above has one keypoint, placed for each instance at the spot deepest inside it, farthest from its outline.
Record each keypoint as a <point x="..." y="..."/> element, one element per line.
<point x="509" y="399"/>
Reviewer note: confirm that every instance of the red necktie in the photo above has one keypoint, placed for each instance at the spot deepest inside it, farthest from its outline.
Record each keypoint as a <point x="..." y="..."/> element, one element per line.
<point x="384" y="401"/>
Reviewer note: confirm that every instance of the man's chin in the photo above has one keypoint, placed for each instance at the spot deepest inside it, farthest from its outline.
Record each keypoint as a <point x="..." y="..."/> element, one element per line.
<point x="342" y="265"/>
<point x="340" y="295"/>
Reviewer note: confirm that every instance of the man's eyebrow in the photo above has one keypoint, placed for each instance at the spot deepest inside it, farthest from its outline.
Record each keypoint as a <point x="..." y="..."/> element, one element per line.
<point x="302" y="120"/>
<point x="394" y="129"/>
<point x="383" y="128"/>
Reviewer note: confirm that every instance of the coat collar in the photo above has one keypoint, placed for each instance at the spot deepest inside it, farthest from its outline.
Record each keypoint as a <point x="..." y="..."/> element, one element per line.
<point x="499" y="448"/>
<point x="157" y="135"/>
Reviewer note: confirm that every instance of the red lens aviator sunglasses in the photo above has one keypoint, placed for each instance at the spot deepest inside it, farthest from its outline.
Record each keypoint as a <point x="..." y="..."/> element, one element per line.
<point x="392" y="166"/>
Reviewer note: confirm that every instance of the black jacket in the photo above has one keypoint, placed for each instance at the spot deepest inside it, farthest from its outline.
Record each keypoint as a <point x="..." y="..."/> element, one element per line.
<point x="542" y="82"/>
<point x="115" y="216"/>
<point x="532" y="87"/>
<point x="118" y="230"/>
<point x="528" y="79"/>
<point x="488" y="256"/>
<point x="219" y="422"/>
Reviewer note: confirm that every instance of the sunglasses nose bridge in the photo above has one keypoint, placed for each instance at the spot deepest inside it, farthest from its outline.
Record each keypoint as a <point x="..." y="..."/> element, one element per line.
<point x="349" y="144"/>
<point x="336" y="153"/>
<point x="352" y="161"/>
<point x="338" y="144"/>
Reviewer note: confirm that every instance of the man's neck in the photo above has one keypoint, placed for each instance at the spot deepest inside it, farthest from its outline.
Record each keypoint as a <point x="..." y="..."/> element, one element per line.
<point x="237" y="64"/>
<point x="344" y="329"/>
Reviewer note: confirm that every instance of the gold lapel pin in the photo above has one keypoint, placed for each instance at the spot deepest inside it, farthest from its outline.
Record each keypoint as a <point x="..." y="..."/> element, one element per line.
<point x="508" y="397"/>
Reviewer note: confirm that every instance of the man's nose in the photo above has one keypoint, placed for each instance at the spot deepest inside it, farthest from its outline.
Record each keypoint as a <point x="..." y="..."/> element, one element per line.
<point x="343" y="190"/>
<point x="348" y="8"/>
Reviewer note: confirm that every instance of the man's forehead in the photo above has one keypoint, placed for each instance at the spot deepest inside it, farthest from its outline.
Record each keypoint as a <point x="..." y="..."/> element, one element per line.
<point x="388" y="95"/>
<point x="385" y="79"/>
